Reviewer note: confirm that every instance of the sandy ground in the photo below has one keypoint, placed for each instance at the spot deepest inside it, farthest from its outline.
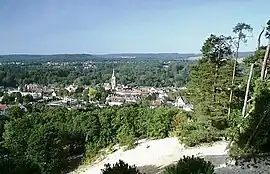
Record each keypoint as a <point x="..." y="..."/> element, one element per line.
<point x="151" y="156"/>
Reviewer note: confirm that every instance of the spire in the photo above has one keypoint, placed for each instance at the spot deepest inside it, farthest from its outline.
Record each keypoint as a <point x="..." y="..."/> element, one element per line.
<point x="113" y="81"/>
<point x="113" y="73"/>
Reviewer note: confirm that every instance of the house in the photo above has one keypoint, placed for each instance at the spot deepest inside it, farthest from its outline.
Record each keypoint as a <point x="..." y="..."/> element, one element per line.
<point x="155" y="103"/>
<point x="131" y="99"/>
<point x="3" y="107"/>
<point x="115" y="101"/>
<point x="71" y="88"/>
<point x="34" y="88"/>
<point x="54" y="94"/>
<point x="182" y="102"/>
<point x="107" y="86"/>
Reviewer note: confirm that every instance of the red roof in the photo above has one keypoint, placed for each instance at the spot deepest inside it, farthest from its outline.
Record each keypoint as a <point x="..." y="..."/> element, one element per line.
<point x="3" y="107"/>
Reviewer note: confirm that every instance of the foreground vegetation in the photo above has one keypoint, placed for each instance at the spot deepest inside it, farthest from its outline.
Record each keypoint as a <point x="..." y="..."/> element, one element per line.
<point x="50" y="137"/>
<point x="186" y="165"/>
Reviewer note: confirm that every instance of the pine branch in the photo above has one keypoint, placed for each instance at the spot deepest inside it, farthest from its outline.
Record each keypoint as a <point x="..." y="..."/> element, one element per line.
<point x="258" y="125"/>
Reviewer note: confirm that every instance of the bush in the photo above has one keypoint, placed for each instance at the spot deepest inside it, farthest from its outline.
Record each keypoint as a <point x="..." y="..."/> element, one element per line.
<point x="253" y="136"/>
<point x="120" y="168"/>
<point x="190" y="165"/>
<point x="92" y="153"/>
<point x="192" y="133"/>
<point x="18" y="166"/>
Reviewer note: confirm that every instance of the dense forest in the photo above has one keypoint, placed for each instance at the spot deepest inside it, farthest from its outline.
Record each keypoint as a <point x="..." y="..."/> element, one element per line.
<point x="133" y="72"/>
<point x="48" y="140"/>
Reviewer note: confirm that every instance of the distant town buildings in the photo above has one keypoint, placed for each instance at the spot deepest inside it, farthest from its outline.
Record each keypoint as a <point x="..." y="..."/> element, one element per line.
<point x="71" y="88"/>
<point x="3" y="107"/>
<point x="122" y="94"/>
<point x="119" y="94"/>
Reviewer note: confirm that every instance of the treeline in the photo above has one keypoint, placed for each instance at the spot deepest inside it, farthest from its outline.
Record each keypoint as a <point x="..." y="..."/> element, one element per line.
<point x="47" y="140"/>
<point x="135" y="73"/>
<point x="46" y="58"/>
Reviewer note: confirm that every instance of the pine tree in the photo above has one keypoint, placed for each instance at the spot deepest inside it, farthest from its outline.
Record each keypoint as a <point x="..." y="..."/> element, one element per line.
<point x="210" y="81"/>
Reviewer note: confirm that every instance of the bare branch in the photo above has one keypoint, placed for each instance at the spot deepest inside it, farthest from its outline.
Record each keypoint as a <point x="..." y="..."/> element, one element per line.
<point x="259" y="38"/>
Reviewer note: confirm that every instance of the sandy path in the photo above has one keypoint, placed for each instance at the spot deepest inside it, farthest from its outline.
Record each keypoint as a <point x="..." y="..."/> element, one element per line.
<point x="151" y="156"/>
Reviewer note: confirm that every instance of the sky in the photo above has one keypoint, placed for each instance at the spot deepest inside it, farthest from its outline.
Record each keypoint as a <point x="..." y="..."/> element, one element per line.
<point x="123" y="26"/>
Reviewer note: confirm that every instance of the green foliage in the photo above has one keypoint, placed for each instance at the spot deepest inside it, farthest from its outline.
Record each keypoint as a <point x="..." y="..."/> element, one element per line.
<point x="209" y="91"/>
<point x="42" y="138"/>
<point x="49" y="137"/>
<point x="16" y="96"/>
<point x="92" y="93"/>
<point x="92" y="152"/>
<point x="216" y="48"/>
<point x="14" y="112"/>
<point x="240" y="30"/>
<point x="8" y="99"/>
<point x="192" y="133"/>
<point x="159" y="124"/>
<point x="120" y="168"/>
<point x="47" y="147"/>
<point x="134" y="72"/>
<point x="210" y="81"/>
<point x="16" y="135"/>
<point x="253" y="135"/>
<point x="18" y="166"/>
<point x="257" y="58"/>
<point x="191" y="165"/>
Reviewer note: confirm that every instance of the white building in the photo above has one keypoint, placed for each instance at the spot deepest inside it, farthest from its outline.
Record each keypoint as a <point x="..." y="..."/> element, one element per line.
<point x="71" y="88"/>
<point x="107" y="86"/>
<point x="54" y="94"/>
<point x="182" y="102"/>
<point x="115" y="101"/>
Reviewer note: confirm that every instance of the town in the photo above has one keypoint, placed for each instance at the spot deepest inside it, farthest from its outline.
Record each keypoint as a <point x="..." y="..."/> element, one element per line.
<point x="116" y="95"/>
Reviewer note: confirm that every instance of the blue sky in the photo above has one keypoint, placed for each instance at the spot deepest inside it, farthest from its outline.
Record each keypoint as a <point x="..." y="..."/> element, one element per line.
<point x="118" y="26"/>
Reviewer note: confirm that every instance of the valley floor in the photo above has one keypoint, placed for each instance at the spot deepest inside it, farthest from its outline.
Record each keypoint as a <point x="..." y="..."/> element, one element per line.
<point x="151" y="156"/>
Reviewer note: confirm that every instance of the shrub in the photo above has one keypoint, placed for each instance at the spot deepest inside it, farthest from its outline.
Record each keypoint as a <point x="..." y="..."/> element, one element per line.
<point x="192" y="133"/>
<point x="190" y="165"/>
<point x="92" y="153"/>
<point x="18" y="166"/>
<point x="253" y="136"/>
<point x="120" y="168"/>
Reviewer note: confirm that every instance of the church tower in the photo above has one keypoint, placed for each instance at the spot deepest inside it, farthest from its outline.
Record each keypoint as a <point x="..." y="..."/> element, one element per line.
<point x="113" y="81"/>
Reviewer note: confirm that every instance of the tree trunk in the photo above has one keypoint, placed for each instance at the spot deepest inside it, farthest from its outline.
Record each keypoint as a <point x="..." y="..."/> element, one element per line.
<point x="216" y="74"/>
<point x="233" y="75"/>
<point x="265" y="62"/>
<point x="247" y="90"/>
<point x="259" y="38"/>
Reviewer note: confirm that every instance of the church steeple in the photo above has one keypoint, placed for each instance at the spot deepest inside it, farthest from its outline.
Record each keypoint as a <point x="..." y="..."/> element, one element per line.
<point x="113" y="81"/>
<point x="113" y="73"/>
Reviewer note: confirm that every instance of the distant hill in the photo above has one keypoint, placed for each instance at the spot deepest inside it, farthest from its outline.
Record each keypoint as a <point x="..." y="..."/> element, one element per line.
<point x="149" y="55"/>
<point x="85" y="57"/>
<point x="55" y="57"/>
<point x="190" y="56"/>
